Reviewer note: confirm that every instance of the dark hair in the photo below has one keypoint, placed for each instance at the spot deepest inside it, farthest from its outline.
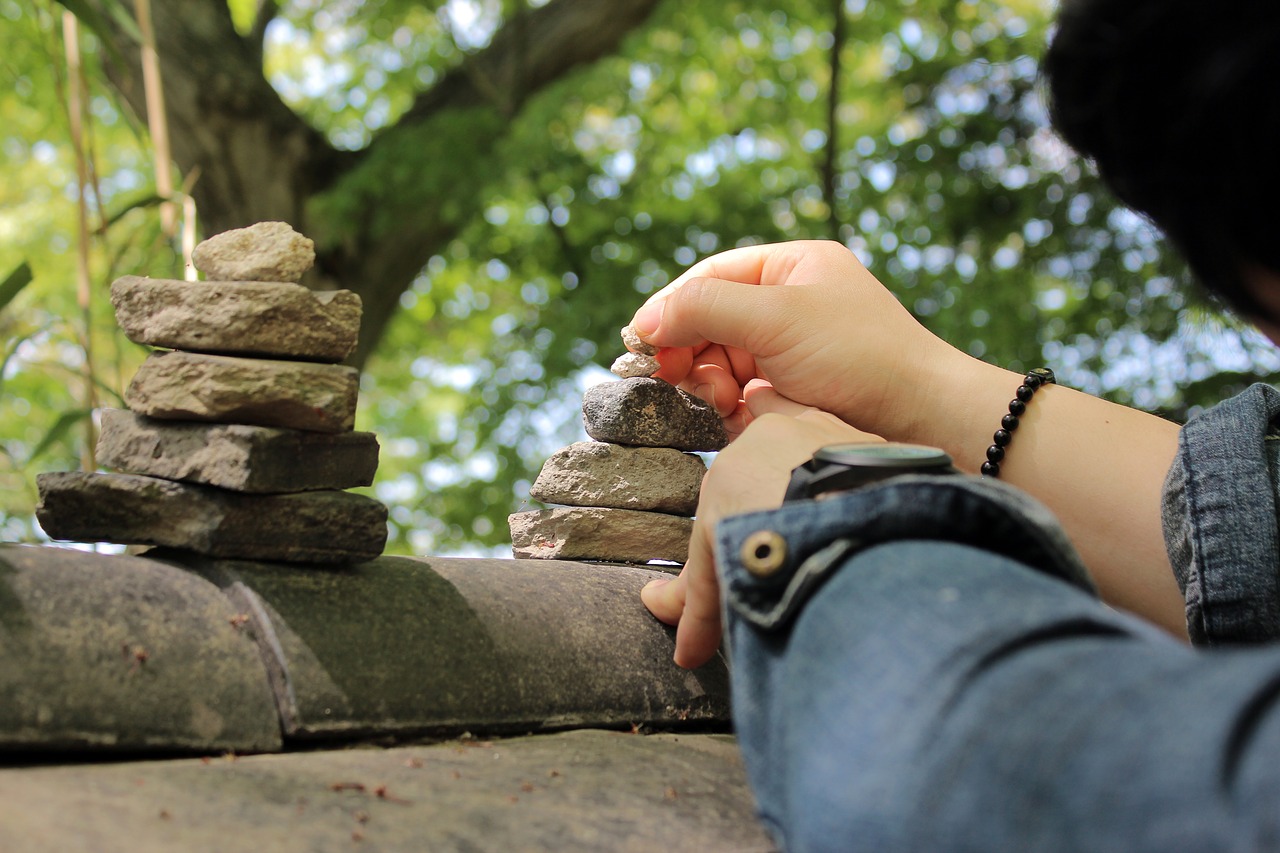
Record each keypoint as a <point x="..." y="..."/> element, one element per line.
<point x="1178" y="105"/>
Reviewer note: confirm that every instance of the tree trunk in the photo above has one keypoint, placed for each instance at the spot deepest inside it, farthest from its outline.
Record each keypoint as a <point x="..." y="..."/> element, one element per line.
<point x="377" y="215"/>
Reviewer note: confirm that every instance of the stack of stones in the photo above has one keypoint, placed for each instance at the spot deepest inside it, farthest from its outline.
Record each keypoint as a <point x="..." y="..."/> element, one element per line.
<point x="629" y="495"/>
<point x="238" y="441"/>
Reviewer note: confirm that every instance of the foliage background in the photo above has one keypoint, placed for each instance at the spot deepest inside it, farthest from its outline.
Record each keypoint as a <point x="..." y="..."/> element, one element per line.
<point x="913" y="132"/>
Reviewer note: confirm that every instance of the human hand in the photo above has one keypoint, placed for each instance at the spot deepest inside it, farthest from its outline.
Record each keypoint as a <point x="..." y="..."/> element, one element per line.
<point x="750" y="474"/>
<point x="833" y="337"/>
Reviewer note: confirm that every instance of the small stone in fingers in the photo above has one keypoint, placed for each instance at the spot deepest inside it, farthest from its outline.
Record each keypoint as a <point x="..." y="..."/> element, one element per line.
<point x="632" y="342"/>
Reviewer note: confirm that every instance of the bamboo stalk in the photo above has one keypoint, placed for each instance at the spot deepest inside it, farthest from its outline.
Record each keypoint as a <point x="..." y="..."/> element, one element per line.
<point x="833" y="120"/>
<point x="188" y="237"/>
<point x="84" y="291"/>
<point x="157" y="118"/>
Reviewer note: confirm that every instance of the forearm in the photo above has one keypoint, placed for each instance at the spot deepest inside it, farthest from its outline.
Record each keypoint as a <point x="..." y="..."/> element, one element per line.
<point x="1099" y="466"/>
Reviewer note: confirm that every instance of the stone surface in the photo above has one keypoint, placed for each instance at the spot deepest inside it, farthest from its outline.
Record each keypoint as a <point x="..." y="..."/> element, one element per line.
<point x="651" y="413"/>
<point x="238" y="317"/>
<point x="122" y="654"/>
<point x="439" y="646"/>
<point x="632" y="342"/>
<point x="597" y="533"/>
<point x="593" y="473"/>
<point x="632" y="364"/>
<point x="576" y="792"/>
<point x="266" y="251"/>
<point x="393" y="647"/>
<point x="313" y="527"/>
<point x="265" y="392"/>
<point x="237" y="457"/>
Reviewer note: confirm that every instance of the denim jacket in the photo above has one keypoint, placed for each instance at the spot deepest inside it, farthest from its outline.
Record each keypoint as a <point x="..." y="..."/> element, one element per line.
<point x="1220" y="519"/>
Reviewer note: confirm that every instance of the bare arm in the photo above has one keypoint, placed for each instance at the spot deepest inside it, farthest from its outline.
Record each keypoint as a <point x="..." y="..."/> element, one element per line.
<point x="1099" y="466"/>
<point x="809" y="319"/>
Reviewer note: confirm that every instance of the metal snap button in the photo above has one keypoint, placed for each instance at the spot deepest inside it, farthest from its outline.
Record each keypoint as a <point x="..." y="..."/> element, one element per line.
<point x="763" y="553"/>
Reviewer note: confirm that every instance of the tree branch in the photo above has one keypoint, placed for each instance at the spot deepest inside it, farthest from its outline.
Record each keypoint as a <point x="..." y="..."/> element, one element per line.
<point x="833" y="120"/>
<point x="258" y="160"/>
<point x="267" y="11"/>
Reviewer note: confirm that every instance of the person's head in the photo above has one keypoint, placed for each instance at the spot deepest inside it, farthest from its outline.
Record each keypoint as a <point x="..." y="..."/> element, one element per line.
<point x="1178" y="104"/>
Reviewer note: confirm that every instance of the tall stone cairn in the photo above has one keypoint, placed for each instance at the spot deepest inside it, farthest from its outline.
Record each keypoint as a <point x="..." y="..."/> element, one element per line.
<point x="629" y="494"/>
<point x="238" y="439"/>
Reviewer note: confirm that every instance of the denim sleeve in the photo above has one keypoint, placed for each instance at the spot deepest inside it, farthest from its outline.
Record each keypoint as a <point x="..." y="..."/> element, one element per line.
<point x="1220" y="524"/>
<point x="921" y="665"/>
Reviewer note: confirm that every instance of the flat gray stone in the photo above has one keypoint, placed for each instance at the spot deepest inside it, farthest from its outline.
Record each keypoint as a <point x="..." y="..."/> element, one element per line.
<point x="307" y="527"/>
<point x="266" y="392"/>
<point x="594" y="473"/>
<point x="597" y="533"/>
<point x="238" y="317"/>
<point x="122" y="654"/>
<point x="266" y="251"/>
<point x="575" y="792"/>
<point x="632" y="342"/>
<point x="631" y="364"/>
<point x="445" y="645"/>
<point x="651" y="413"/>
<point x="235" y="456"/>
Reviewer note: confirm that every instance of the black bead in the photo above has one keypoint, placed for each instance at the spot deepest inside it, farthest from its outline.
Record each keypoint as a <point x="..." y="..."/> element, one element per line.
<point x="1017" y="407"/>
<point x="1002" y="437"/>
<point x="995" y="453"/>
<point x="1009" y="422"/>
<point x="1025" y="392"/>
<point x="990" y="469"/>
<point x="1032" y="381"/>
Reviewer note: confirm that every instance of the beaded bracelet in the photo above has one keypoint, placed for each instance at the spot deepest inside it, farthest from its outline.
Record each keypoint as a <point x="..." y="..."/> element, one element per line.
<point x="1017" y="407"/>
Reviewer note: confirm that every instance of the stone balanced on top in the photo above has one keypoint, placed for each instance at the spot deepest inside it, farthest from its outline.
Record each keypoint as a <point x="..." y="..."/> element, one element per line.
<point x="238" y="441"/>
<point x="629" y="495"/>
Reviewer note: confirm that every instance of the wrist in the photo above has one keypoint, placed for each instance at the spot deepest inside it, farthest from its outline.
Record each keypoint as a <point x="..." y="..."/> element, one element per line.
<point x="962" y="402"/>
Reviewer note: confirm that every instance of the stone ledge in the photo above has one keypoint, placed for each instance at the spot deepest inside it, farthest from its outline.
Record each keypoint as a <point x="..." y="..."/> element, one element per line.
<point x="124" y="654"/>
<point x="394" y="647"/>
<point x="449" y="644"/>
<point x="577" y="792"/>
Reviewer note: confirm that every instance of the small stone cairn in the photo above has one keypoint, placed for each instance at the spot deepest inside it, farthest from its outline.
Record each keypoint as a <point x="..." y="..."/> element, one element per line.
<point x="238" y="441"/>
<point x="629" y="495"/>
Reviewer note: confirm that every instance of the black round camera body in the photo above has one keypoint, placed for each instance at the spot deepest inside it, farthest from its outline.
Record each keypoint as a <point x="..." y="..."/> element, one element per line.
<point x="841" y="467"/>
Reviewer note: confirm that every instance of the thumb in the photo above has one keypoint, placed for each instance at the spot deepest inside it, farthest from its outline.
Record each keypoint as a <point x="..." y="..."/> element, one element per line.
<point x="711" y="309"/>
<point x="761" y="399"/>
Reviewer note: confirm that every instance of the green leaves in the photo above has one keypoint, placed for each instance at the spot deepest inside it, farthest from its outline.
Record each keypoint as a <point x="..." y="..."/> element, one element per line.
<point x="707" y="130"/>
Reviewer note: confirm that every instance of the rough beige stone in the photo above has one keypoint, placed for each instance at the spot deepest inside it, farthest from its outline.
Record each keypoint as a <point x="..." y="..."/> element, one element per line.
<point x="265" y="392"/>
<point x="632" y="341"/>
<point x="238" y="318"/>
<point x="651" y="413"/>
<point x="236" y="456"/>
<point x="582" y="791"/>
<point x="632" y="364"/>
<point x="266" y="251"/>
<point x="596" y="533"/>
<point x="306" y="527"/>
<point x="596" y="474"/>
